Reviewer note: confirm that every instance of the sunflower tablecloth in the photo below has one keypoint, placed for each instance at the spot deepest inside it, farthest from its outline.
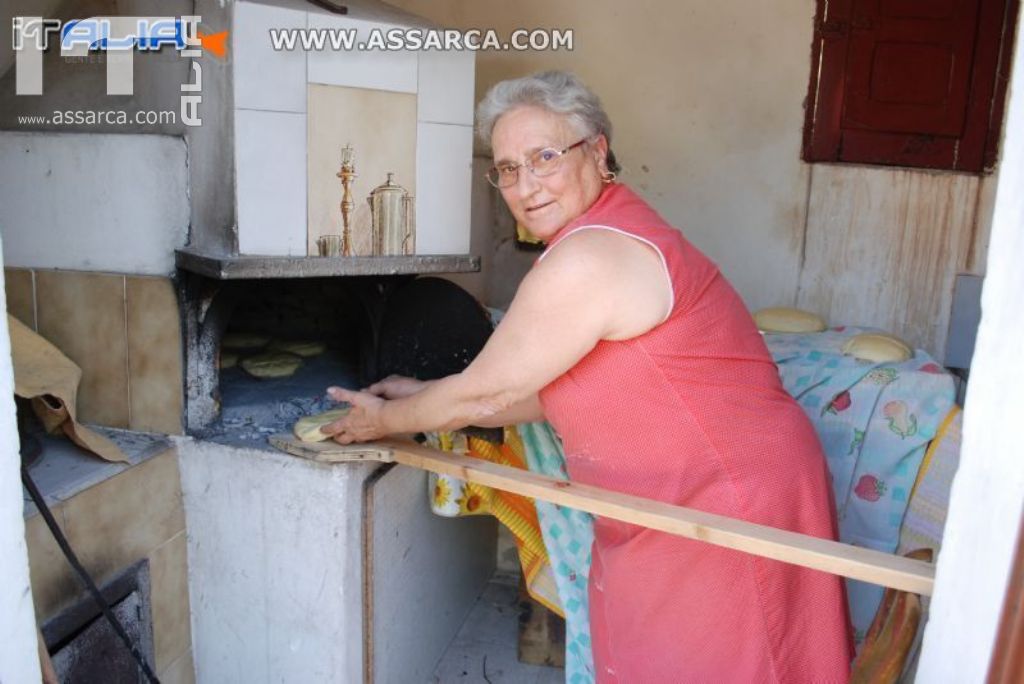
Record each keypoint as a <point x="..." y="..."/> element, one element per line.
<point x="553" y="541"/>
<point x="452" y="497"/>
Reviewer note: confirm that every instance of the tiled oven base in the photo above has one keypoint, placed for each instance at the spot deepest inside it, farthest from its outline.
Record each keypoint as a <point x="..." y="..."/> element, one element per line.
<point x="114" y="515"/>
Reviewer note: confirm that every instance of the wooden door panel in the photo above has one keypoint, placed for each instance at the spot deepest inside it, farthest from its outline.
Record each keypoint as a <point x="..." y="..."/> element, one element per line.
<point x="909" y="74"/>
<point x="909" y="82"/>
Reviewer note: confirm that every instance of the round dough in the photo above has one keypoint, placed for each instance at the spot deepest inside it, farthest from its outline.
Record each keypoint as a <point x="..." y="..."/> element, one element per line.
<point x="782" y="319"/>
<point x="878" y="348"/>
<point x="308" y="429"/>
<point x="303" y="349"/>
<point x="228" y="360"/>
<point x="237" y="340"/>
<point x="271" y="365"/>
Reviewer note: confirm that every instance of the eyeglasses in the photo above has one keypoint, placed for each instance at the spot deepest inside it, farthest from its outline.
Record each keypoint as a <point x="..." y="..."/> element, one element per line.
<point x="541" y="163"/>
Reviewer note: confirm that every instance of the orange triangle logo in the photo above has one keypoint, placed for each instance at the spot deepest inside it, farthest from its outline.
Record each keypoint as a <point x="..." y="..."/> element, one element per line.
<point x="214" y="42"/>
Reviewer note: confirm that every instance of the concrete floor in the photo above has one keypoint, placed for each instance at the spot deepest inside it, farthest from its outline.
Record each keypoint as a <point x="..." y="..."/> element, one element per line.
<point x="484" y="650"/>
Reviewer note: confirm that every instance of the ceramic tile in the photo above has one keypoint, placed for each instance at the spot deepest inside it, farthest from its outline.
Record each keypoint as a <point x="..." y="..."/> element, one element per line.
<point x="446" y="86"/>
<point x="155" y="370"/>
<point x="181" y="671"/>
<point x="53" y="583"/>
<point x="266" y="78"/>
<point x="168" y="571"/>
<point x="83" y="314"/>
<point x="123" y="519"/>
<point x="371" y="69"/>
<point x="381" y="128"/>
<point x="444" y="165"/>
<point x="270" y="160"/>
<point x="20" y="295"/>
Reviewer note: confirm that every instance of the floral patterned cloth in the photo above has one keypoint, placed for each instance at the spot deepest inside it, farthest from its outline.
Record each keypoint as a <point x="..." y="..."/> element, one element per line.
<point x="556" y="573"/>
<point x="875" y="422"/>
<point x="451" y="497"/>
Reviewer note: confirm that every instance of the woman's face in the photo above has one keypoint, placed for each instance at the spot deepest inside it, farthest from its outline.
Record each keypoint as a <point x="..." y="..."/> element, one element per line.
<point x="544" y="205"/>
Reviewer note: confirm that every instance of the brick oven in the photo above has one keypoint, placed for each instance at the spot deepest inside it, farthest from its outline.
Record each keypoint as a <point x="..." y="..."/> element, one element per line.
<point x="301" y="570"/>
<point x="295" y="570"/>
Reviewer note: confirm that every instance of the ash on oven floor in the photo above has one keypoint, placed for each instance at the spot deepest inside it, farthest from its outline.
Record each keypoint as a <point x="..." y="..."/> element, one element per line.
<point x="252" y="409"/>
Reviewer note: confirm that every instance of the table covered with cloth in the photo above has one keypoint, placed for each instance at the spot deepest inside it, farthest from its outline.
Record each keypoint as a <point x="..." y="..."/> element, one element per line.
<point x="875" y="421"/>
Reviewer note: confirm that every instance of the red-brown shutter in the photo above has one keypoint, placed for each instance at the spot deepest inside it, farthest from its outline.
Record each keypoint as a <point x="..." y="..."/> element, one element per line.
<point x="908" y="82"/>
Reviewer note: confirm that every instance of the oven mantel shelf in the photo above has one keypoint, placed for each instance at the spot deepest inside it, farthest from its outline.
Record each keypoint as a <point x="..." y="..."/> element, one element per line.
<point x="224" y="267"/>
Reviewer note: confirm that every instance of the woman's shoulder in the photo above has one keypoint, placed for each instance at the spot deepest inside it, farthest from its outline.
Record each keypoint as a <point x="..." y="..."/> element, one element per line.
<point x="621" y="209"/>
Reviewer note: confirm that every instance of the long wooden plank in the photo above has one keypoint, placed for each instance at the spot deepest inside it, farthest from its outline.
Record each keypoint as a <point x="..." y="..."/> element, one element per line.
<point x="834" y="557"/>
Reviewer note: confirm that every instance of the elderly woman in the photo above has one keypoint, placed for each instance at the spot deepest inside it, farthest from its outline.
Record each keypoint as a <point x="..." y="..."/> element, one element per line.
<point x="644" y="359"/>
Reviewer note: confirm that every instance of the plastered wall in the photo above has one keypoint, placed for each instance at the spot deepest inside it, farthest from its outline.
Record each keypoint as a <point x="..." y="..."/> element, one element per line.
<point x="707" y="127"/>
<point x="707" y="104"/>
<point x="18" y="660"/>
<point x="93" y="202"/>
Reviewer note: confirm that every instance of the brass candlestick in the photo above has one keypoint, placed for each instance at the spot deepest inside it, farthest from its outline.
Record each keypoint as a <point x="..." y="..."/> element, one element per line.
<point x="347" y="174"/>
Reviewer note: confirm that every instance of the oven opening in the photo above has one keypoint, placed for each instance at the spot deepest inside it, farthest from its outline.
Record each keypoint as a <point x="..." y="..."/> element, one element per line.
<point x="275" y="345"/>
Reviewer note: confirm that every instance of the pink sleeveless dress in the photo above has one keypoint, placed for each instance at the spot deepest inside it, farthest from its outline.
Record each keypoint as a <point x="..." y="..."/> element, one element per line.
<point x="693" y="413"/>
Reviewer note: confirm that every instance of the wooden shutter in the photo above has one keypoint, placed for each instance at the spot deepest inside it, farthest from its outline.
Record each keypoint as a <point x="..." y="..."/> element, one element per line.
<point x="908" y="82"/>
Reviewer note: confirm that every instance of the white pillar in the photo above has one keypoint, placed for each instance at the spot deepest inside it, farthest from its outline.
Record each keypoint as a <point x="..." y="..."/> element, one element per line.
<point x="986" y="501"/>
<point x="19" y="658"/>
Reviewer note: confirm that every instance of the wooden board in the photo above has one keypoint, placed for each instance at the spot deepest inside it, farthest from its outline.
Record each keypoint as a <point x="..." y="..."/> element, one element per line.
<point x="855" y="562"/>
<point x="883" y="247"/>
<point x="541" y="632"/>
<point x="330" y="452"/>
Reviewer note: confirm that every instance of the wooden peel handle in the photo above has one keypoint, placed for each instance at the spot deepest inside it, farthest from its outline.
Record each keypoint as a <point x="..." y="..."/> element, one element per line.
<point x="855" y="562"/>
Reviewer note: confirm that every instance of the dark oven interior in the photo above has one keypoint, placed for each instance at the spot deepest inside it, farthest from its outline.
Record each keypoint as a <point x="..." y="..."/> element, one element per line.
<point x="346" y="331"/>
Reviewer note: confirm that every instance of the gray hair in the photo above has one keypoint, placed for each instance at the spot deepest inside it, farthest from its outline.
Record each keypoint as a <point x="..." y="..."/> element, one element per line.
<point x="559" y="92"/>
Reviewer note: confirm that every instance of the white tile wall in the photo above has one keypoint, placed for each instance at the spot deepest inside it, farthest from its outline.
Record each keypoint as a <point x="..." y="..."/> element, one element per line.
<point x="446" y="86"/>
<point x="266" y="78"/>
<point x="375" y="69"/>
<point x="444" y="164"/>
<point x="270" y="163"/>
<point x="271" y="102"/>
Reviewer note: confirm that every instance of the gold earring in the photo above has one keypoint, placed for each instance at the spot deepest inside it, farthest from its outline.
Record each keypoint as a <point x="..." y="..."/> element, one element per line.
<point x="608" y="177"/>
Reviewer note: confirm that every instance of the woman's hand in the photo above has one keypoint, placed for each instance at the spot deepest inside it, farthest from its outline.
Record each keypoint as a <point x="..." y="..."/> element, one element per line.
<point x="397" y="387"/>
<point x="363" y="422"/>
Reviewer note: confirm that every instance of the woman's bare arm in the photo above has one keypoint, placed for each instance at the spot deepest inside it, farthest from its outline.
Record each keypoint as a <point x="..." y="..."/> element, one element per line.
<point x="528" y="410"/>
<point x="606" y="286"/>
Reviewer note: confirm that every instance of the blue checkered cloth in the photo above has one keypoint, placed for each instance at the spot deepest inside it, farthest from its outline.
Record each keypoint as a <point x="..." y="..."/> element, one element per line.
<point x="568" y="535"/>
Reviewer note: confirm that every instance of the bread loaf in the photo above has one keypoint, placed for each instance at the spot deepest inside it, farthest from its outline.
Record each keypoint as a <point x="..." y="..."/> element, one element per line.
<point x="783" y="319"/>
<point x="878" y="348"/>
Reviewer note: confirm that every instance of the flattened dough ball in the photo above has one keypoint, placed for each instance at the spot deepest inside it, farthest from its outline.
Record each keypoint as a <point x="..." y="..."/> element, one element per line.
<point x="308" y="429"/>
<point x="271" y="365"/>
<point x="244" y="341"/>
<point x="878" y="348"/>
<point x="782" y="319"/>
<point x="299" y="348"/>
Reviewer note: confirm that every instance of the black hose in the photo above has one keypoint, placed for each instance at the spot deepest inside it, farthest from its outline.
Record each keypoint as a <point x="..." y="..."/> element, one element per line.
<point x="82" y="574"/>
